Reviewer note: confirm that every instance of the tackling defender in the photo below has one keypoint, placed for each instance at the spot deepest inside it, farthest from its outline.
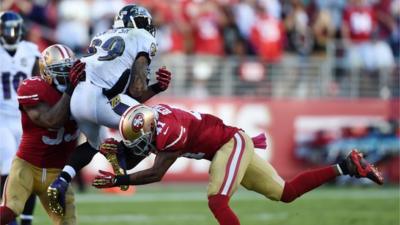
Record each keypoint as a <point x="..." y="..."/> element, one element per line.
<point x="117" y="70"/>
<point x="19" y="60"/>
<point x="171" y="133"/>
<point x="49" y="135"/>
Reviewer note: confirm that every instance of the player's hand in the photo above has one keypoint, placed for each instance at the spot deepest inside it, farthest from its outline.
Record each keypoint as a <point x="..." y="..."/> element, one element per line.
<point x="104" y="180"/>
<point x="110" y="145"/>
<point x="163" y="77"/>
<point x="77" y="73"/>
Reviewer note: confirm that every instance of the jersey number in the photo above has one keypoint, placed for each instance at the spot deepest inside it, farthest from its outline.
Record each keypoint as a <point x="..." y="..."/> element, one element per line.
<point x="7" y="80"/>
<point x="114" y="47"/>
<point x="61" y="135"/>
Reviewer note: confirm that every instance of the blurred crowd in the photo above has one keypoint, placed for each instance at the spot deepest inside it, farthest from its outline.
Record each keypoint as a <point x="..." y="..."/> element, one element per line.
<point x="278" y="48"/>
<point x="267" y="28"/>
<point x="378" y="142"/>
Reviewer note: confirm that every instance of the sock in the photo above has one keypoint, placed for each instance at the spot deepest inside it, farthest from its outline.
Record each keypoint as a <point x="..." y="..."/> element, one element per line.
<point x="7" y="215"/>
<point x="65" y="176"/>
<point x="79" y="158"/>
<point x="307" y="181"/>
<point x="26" y="216"/>
<point x="219" y="205"/>
<point x="26" y="219"/>
<point x="343" y="167"/>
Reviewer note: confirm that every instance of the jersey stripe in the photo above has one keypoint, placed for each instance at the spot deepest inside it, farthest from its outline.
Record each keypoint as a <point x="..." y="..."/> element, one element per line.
<point x="29" y="96"/>
<point x="183" y="130"/>
<point x="233" y="166"/>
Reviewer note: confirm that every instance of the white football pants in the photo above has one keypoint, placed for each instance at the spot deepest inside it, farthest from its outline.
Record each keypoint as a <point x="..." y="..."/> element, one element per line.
<point x="10" y="131"/>
<point x="93" y="111"/>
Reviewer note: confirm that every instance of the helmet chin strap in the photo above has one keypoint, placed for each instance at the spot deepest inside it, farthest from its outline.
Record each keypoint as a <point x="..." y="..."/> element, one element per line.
<point x="9" y="47"/>
<point x="60" y="87"/>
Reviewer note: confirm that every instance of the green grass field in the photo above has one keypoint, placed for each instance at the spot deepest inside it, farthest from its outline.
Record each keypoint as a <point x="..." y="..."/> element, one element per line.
<point x="187" y="204"/>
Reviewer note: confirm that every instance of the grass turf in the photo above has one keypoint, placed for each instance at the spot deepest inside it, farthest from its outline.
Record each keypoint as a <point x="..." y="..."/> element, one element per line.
<point x="187" y="204"/>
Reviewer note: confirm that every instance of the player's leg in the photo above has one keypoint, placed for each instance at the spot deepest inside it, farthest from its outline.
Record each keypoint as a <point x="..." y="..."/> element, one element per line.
<point x="27" y="214"/>
<point x="69" y="215"/>
<point x="90" y="106"/>
<point x="262" y="177"/>
<point x="18" y="187"/>
<point x="8" y="148"/>
<point x="226" y="172"/>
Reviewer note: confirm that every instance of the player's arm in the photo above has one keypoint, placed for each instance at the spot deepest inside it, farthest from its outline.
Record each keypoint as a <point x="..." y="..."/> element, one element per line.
<point x="138" y="83"/>
<point x="162" y="163"/>
<point x="138" y="87"/>
<point x="163" y="77"/>
<point x="46" y="116"/>
<point x="55" y="116"/>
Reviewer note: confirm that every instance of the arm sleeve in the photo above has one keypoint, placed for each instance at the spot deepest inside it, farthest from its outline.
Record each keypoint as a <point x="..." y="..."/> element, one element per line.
<point x="30" y="92"/>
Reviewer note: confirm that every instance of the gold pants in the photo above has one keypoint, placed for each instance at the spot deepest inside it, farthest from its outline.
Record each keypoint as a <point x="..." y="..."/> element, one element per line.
<point x="236" y="163"/>
<point x="25" y="179"/>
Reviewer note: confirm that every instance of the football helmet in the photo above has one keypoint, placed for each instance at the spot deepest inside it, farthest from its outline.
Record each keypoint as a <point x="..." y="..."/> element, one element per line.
<point x="134" y="16"/>
<point x="55" y="64"/>
<point x="10" y="30"/>
<point x="137" y="128"/>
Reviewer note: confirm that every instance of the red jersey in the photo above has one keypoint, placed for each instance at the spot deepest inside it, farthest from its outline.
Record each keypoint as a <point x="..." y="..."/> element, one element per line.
<point x="361" y="22"/>
<point x="42" y="147"/>
<point x="194" y="134"/>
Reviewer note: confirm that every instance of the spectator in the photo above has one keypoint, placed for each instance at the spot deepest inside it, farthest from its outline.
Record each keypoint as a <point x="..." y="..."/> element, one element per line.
<point x="359" y="22"/>
<point x="234" y="43"/>
<point x="206" y="21"/>
<point x="73" y="27"/>
<point x="266" y="36"/>
<point x="297" y="25"/>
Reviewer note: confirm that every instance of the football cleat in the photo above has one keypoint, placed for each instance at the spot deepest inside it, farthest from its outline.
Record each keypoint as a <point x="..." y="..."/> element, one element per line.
<point x="56" y="194"/>
<point x="359" y="167"/>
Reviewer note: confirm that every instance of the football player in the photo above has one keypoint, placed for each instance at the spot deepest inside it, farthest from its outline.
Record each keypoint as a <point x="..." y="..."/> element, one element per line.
<point x="49" y="135"/>
<point x="171" y="133"/>
<point x="117" y="73"/>
<point x="19" y="60"/>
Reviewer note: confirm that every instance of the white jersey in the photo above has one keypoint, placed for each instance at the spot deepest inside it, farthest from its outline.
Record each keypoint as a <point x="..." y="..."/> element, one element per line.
<point x="14" y="69"/>
<point x="114" y="51"/>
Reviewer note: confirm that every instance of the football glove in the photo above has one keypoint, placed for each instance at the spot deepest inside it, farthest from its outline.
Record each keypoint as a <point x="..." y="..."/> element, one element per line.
<point x="163" y="77"/>
<point x="104" y="180"/>
<point x="76" y="75"/>
<point x="109" y="148"/>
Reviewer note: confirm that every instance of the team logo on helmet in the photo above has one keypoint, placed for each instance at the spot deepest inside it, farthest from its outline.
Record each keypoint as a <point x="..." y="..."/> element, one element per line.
<point x="138" y="122"/>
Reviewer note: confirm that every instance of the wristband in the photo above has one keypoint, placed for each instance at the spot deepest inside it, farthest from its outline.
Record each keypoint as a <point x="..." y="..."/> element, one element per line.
<point x="156" y="88"/>
<point x="122" y="180"/>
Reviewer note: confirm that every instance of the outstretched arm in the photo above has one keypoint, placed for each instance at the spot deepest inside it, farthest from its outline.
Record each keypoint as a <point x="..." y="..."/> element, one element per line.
<point x="162" y="163"/>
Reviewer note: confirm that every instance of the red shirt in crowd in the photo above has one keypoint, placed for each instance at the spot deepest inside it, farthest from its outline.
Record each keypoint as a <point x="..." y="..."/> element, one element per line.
<point x="361" y="22"/>
<point x="266" y="36"/>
